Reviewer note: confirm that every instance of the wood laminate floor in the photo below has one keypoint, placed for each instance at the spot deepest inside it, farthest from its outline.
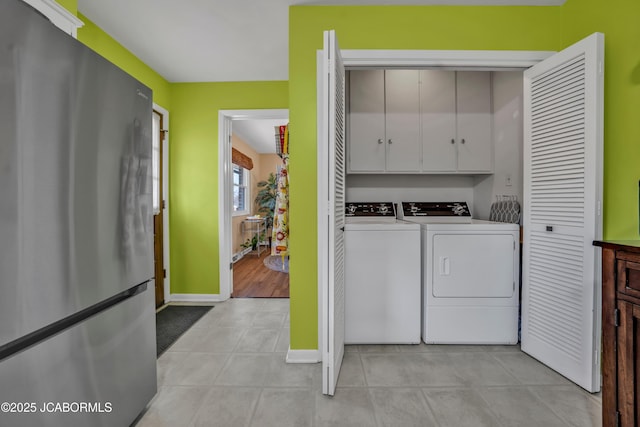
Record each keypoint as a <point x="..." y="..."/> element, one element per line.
<point x="251" y="279"/>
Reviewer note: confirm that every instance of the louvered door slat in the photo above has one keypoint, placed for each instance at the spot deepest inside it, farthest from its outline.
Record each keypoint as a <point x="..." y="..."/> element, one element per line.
<point x="562" y="142"/>
<point x="567" y="139"/>
<point x="562" y="94"/>
<point x="558" y="74"/>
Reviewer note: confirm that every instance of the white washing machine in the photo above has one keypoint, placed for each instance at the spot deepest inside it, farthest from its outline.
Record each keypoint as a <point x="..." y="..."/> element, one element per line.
<point x="470" y="276"/>
<point x="382" y="276"/>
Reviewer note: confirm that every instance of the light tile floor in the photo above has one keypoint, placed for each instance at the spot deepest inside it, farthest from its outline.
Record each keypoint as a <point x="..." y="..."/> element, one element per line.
<point x="229" y="370"/>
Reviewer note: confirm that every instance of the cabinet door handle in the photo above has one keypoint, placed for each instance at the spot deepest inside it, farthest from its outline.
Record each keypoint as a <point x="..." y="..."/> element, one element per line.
<point x="462" y="140"/>
<point x="390" y="141"/>
<point x="380" y="141"/>
<point x="453" y="141"/>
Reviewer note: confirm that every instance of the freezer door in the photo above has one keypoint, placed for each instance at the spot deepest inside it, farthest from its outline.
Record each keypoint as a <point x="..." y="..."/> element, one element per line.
<point x="75" y="164"/>
<point x="101" y="372"/>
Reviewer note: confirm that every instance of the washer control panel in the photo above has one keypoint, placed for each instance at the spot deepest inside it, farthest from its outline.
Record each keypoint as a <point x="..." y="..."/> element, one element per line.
<point x="370" y="209"/>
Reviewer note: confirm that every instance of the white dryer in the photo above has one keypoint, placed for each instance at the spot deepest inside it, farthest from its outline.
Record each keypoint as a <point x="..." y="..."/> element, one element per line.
<point x="382" y="276"/>
<point x="470" y="276"/>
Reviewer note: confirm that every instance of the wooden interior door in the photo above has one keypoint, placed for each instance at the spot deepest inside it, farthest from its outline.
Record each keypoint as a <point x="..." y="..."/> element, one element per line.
<point x="158" y="235"/>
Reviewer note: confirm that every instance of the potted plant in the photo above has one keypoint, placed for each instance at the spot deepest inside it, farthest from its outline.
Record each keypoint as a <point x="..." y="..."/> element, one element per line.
<point x="266" y="199"/>
<point x="251" y="243"/>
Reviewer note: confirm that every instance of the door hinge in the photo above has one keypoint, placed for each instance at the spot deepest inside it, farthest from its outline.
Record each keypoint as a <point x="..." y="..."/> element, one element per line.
<point x="616" y="317"/>
<point x="163" y="134"/>
<point x="230" y="266"/>
<point x="164" y="273"/>
<point x="617" y="419"/>
<point x="163" y="205"/>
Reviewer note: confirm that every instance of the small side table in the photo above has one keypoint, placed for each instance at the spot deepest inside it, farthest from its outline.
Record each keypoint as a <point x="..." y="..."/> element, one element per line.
<point x="254" y="227"/>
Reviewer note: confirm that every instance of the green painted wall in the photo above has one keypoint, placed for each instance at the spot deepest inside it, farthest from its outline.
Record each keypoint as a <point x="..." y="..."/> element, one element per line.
<point x="618" y="20"/>
<point x="94" y="37"/>
<point x="91" y="35"/>
<point x="193" y="173"/>
<point x="70" y="5"/>
<point x="194" y="115"/>
<point x="377" y="27"/>
<point x="193" y="154"/>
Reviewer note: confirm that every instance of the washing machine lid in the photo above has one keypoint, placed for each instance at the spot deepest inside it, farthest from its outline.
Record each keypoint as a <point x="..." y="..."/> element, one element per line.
<point x="366" y="212"/>
<point x="436" y="212"/>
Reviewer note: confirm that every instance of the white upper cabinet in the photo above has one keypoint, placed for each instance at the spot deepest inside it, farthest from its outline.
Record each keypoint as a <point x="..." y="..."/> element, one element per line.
<point x="438" y="120"/>
<point x="456" y="121"/>
<point x="420" y="121"/>
<point x="473" y="107"/>
<point x="384" y="121"/>
<point x="402" y="119"/>
<point x="367" y="145"/>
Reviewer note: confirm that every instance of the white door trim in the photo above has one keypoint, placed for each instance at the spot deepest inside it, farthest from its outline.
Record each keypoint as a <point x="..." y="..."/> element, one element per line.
<point x="467" y="59"/>
<point x="502" y="60"/>
<point x="225" y="195"/>
<point x="166" y="259"/>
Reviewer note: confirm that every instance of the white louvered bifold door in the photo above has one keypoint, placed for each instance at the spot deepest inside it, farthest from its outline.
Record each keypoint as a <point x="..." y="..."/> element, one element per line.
<point x="562" y="211"/>
<point x="333" y="289"/>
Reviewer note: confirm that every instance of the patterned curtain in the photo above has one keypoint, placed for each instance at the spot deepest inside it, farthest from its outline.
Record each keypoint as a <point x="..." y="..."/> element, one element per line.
<point x="280" y="238"/>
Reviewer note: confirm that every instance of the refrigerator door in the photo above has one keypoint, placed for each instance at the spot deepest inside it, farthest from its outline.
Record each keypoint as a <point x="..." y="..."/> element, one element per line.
<point x="101" y="372"/>
<point x="75" y="164"/>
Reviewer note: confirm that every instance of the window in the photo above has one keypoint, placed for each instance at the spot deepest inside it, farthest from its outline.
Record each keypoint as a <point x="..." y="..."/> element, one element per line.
<point x="240" y="190"/>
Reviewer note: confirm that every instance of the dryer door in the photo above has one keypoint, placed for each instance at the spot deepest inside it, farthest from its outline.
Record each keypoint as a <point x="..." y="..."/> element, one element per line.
<point x="472" y="265"/>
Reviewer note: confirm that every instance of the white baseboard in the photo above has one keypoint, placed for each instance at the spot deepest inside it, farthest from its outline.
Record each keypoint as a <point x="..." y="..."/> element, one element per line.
<point x="303" y="356"/>
<point x="239" y="255"/>
<point x="195" y="298"/>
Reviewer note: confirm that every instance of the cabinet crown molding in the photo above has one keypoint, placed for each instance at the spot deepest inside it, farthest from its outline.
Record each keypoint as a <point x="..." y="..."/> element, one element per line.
<point x="58" y="15"/>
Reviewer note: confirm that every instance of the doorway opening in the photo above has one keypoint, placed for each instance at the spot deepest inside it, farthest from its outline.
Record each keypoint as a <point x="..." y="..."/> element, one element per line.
<point x="249" y="170"/>
<point x="160" y="176"/>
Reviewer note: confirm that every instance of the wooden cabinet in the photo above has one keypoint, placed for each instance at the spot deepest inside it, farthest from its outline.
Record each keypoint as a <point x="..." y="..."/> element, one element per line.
<point x="384" y="121"/>
<point x="620" y="333"/>
<point x="456" y="121"/>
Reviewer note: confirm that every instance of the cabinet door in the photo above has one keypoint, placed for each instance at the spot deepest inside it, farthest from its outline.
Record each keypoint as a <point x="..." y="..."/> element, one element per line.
<point x="404" y="148"/>
<point x="628" y="364"/>
<point x="438" y="117"/>
<point x="367" y="145"/>
<point x="473" y="100"/>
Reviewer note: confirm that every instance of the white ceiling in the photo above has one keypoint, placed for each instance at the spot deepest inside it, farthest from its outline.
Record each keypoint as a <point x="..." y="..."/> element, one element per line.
<point x="223" y="40"/>
<point x="220" y="40"/>
<point x="259" y="134"/>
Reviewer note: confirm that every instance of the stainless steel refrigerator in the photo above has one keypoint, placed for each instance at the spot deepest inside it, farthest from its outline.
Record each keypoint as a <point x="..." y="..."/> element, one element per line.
<point x="77" y="317"/>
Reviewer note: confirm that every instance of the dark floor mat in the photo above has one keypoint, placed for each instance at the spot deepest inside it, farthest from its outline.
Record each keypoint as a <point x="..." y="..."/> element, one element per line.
<point x="173" y="321"/>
